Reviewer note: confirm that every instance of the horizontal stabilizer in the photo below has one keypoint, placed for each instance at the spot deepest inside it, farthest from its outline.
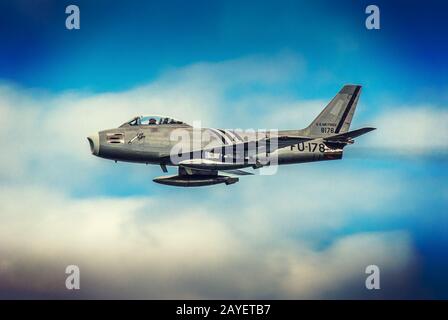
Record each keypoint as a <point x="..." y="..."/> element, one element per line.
<point x="348" y="136"/>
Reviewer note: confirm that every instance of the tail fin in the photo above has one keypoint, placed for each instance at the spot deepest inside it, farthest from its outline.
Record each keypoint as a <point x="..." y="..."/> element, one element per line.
<point x="337" y="115"/>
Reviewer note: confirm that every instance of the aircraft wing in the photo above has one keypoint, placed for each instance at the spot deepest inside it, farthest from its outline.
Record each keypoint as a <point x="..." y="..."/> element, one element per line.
<point x="201" y="171"/>
<point x="234" y="156"/>
<point x="226" y="158"/>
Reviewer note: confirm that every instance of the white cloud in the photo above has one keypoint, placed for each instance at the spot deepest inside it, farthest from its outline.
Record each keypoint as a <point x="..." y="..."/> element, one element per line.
<point x="314" y="272"/>
<point x="138" y="248"/>
<point x="416" y="128"/>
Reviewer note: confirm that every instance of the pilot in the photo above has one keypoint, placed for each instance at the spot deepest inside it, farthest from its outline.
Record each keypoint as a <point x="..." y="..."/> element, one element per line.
<point x="152" y="121"/>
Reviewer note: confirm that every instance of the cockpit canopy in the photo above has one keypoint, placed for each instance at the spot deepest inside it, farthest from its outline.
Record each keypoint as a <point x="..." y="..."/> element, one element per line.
<point x="152" y="121"/>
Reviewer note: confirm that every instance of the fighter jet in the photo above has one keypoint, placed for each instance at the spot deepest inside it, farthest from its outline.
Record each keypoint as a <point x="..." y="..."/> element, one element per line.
<point x="208" y="156"/>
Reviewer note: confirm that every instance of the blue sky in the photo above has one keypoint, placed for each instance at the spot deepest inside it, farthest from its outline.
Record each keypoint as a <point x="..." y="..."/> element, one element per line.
<point x="230" y="64"/>
<point x="121" y="46"/>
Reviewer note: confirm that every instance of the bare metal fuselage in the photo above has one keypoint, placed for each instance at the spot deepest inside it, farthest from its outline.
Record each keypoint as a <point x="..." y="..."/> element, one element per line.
<point x="154" y="144"/>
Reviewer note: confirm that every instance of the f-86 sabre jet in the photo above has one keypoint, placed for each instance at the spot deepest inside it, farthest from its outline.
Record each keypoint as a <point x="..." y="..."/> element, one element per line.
<point x="208" y="156"/>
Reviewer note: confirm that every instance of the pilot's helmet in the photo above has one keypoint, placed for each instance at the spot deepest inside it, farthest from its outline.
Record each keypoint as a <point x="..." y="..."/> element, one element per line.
<point x="152" y="121"/>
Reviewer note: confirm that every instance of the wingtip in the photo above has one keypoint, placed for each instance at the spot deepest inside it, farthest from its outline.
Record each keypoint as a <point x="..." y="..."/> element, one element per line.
<point x="368" y="129"/>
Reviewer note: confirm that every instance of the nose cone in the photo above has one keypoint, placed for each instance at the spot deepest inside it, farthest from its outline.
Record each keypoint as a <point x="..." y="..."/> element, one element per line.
<point x="94" y="141"/>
